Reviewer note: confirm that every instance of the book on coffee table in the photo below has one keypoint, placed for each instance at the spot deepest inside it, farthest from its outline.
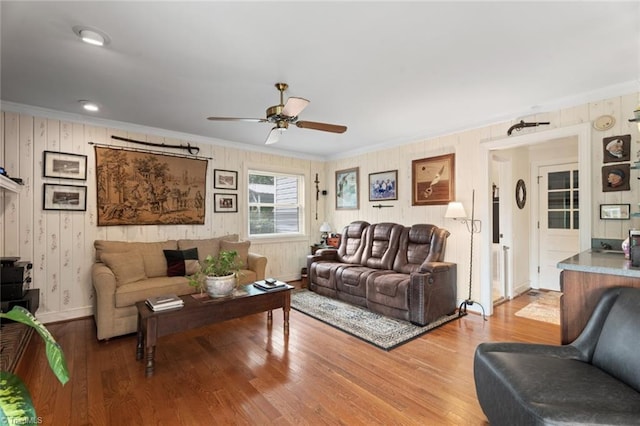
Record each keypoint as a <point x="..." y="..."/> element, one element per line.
<point x="269" y="284"/>
<point x="167" y="301"/>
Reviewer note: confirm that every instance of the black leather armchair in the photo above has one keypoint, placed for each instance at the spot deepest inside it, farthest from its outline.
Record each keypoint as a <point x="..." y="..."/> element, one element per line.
<point x="593" y="380"/>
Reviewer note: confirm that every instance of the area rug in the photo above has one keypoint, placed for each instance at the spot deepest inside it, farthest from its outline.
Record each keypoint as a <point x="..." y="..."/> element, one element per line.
<point x="545" y="308"/>
<point x="383" y="332"/>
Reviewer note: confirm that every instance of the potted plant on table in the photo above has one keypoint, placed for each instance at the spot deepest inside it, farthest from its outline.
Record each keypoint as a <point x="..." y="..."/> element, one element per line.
<point x="218" y="275"/>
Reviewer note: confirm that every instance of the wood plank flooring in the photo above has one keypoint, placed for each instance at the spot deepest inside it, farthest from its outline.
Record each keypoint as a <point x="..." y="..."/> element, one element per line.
<point x="242" y="372"/>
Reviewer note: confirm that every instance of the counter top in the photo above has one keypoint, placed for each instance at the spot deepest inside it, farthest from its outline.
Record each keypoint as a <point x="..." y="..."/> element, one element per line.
<point x="600" y="263"/>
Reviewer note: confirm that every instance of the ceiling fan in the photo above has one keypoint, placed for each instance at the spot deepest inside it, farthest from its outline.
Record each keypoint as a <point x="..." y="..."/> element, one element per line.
<point x="284" y="114"/>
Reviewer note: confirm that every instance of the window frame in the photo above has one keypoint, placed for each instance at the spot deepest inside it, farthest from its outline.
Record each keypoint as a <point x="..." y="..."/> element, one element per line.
<point x="303" y="203"/>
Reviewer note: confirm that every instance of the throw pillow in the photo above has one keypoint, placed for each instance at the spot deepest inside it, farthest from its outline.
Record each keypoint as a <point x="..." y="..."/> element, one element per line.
<point x="241" y="247"/>
<point x="182" y="262"/>
<point x="128" y="267"/>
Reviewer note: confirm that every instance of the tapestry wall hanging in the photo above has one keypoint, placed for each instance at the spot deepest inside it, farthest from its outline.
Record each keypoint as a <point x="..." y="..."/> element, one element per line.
<point x="142" y="188"/>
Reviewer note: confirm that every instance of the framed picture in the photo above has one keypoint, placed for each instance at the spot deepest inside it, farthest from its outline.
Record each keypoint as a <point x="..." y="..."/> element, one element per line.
<point x="347" y="182"/>
<point x="225" y="203"/>
<point x="225" y="179"/>
<point x="64" y="197"/>
<point x="383" y="186"/>
<point x="432" y="180"/>
<point x="616" y="149"/>
<point x="615" y="211"/>
<point x="615" y="178"/>
<point x="64" y="165"/>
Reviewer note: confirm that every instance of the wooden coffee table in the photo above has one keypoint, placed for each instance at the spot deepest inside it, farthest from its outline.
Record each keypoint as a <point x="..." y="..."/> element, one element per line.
<point x="247" y="300"/>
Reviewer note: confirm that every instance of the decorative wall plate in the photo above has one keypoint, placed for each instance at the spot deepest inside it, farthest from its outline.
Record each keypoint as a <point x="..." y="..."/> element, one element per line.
<point x="604" y="122"/>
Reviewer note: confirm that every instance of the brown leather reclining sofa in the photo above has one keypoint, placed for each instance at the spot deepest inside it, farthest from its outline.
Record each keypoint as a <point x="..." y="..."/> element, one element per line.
<point x="391" y="269"/>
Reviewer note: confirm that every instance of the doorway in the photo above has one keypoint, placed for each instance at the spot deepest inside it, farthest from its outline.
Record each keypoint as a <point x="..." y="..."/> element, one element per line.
<point x="582" y="134"/>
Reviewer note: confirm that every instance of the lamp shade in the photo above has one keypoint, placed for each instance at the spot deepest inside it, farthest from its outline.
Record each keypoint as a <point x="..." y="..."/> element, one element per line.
<point x="455" y="210"/>
<point x="325" y="227"/>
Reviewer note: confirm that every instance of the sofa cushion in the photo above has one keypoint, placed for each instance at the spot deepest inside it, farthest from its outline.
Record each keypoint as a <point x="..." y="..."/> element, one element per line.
<point x="206" y="246"/>
<point x="128" y="267"/>
<point x="241" y="247"/>
<point x="129" y="294"/>
<point x="182" y="262"/>
<point x="382" y="245"/>
<point x="155" y="264"/>
<point x="352" y="242"/>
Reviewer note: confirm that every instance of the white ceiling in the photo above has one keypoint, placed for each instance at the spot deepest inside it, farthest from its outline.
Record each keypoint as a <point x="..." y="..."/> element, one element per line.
<point x="393" y="72"/>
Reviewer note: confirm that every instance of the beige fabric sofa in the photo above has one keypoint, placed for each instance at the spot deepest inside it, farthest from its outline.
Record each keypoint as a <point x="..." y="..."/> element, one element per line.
<point x="128" y="272"/>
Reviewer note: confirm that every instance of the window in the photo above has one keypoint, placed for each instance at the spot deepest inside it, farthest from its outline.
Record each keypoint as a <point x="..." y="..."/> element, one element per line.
<point x="276" y="205"/>
<point x="563" y="200"/>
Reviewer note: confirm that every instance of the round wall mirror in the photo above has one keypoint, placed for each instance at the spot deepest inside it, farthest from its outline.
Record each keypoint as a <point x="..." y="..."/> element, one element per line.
<point x="521" y="194"/>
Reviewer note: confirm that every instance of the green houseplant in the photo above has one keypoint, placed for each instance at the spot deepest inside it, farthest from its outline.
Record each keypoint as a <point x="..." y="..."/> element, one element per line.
<point x="16" y="406"/>
<point x="219" y="274"/>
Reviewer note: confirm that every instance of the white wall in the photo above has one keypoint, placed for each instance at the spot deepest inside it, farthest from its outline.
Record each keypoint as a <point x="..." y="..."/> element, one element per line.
<point x="60" y="244"/>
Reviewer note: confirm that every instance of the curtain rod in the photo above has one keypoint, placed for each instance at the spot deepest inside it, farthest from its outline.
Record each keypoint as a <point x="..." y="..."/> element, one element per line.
<point x="125" y="148"/>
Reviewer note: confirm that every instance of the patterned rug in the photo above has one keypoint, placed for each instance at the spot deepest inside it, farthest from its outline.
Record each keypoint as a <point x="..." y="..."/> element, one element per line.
<point x="545" y="308"/>
<point x="384" y="332"/>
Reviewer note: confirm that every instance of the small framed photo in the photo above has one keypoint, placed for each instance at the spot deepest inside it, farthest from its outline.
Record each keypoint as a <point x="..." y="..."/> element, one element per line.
<point x="225" y="179"/>
<point x="615" y="211"/>
<point x="64" y="165"/>
<point x="616" y="178"/>
<point x="64" y="197"/>
<point x="383" y="186"/>
<point x="616" y="149"/>
<point x="432" y="180"/>
<point x="347" y="182"/>
<point x="225" y="203"/>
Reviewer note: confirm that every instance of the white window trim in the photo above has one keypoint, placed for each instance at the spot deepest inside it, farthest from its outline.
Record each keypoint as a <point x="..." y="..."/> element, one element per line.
<point x="304" y="194"/>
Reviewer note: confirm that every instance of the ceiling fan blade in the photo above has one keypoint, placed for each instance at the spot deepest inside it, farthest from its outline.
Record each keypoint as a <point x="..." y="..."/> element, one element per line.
<point x="333" y="128"/>
<point x="254" y="120"/>
<point x="274" y="136"/>
<point x="294" y="106"/>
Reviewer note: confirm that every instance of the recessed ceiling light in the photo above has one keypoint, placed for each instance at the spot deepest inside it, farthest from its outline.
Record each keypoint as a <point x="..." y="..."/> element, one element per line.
<point x="89" y="106"/>
<point x="91" y="35"/>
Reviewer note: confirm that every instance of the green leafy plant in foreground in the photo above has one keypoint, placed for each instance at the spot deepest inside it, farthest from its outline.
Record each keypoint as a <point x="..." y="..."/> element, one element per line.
<point x="16" y="406"/>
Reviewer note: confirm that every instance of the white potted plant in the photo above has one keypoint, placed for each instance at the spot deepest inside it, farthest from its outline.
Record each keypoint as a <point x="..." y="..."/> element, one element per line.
<point x="218" y="277"/>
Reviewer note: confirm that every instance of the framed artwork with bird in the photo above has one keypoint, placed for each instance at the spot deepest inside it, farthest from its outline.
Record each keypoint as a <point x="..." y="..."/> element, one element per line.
<point x="433" y="180"/>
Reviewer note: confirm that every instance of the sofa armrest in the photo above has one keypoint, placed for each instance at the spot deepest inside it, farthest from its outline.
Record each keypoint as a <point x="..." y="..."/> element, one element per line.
<point x="433" y="292"/>
<point x="328" y="254"/>
<point x="258" y="264"/>
<point x="104" y="284"/>
<point x="433" y="267"/>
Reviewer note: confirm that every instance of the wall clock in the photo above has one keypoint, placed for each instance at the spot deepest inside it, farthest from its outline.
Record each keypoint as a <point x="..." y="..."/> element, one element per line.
<point x="521" y="194"/>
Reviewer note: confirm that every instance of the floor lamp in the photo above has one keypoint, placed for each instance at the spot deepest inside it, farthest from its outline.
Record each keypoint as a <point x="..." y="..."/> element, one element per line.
<point x="455" y="211"/>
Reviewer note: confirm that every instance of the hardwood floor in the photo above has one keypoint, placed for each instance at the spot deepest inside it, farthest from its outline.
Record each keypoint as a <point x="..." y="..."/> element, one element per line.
<point x="242" y="372"/>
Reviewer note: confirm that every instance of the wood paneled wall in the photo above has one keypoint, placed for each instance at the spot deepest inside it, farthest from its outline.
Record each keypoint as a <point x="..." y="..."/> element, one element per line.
<point x="60" y="244"/>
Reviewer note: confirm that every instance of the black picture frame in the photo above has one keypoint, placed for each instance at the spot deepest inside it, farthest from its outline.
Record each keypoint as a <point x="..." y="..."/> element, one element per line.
<point x="383" y="186"/>
<point x="225" y="203"/>
<point x="64" y="197"/>
<point x="64" y="165"/>
<point x="615" y="211"/>
<point x="225" y="179"/>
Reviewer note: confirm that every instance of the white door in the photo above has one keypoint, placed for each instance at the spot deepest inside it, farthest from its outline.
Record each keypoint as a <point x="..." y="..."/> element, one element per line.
<point x="559" y="219"/>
